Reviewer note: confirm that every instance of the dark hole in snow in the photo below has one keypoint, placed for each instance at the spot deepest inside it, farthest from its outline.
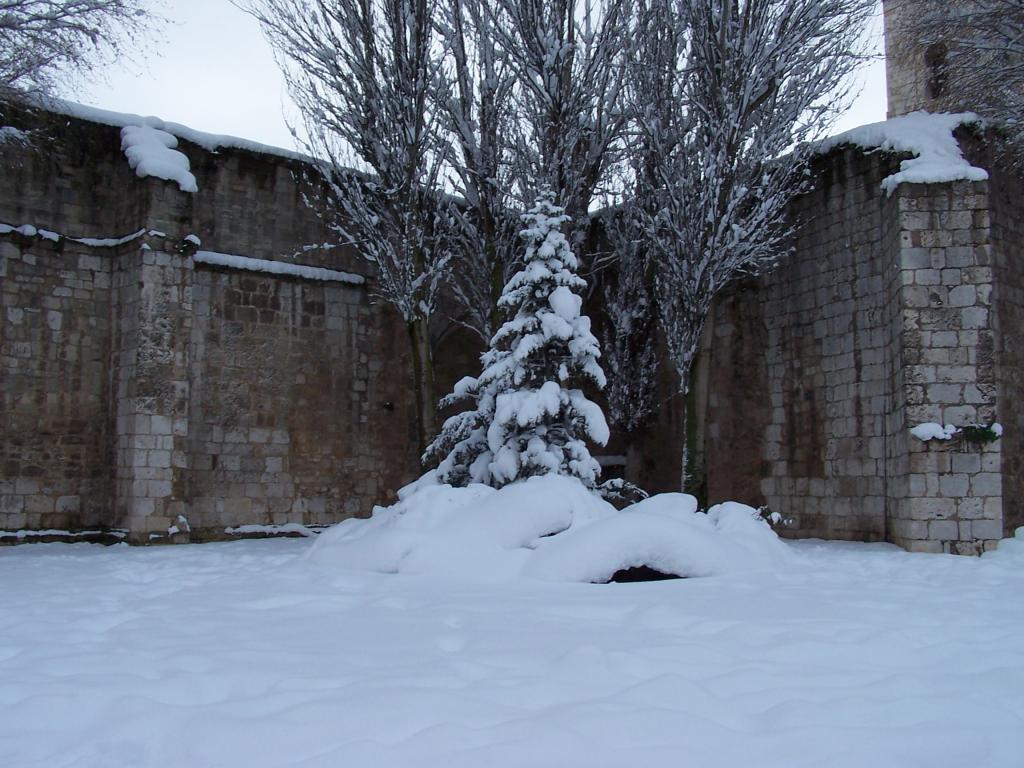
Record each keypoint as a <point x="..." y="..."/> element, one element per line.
<point x="641" y="573"/>
<point x="554" y="533"/>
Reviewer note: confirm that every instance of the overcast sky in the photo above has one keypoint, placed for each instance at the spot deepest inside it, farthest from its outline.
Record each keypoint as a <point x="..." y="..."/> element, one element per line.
<point x="211" y="69"/>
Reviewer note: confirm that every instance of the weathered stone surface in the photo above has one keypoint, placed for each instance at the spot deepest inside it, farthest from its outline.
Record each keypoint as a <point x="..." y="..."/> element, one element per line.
<point x="138" y="386"/>
<point x="809" y="392"/>
<point x="879" y="320"/>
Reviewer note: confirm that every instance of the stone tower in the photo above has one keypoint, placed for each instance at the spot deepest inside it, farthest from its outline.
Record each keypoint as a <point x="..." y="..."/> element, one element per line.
<point x="916" y="75"/>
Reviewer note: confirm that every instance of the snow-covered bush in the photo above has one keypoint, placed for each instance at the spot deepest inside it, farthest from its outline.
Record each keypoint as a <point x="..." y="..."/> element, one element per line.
<point x="549" y="528"/>
<point x="530" y="416"/>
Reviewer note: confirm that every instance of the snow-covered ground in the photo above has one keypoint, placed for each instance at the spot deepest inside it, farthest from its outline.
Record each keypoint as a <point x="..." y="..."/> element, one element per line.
<point x="249" y="654"/>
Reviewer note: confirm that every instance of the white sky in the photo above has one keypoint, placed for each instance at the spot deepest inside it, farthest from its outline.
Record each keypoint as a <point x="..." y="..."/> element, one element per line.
<point x="213" y="71"/>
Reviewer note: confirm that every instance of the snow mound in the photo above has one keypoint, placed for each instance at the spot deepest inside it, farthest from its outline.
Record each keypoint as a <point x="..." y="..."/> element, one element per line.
<point x="666" y="533"/>
<point x="929" y="137"/>
<point x="549" y="528"/>
<point x="1009" y="552"/>
<point x="151" y="152"/>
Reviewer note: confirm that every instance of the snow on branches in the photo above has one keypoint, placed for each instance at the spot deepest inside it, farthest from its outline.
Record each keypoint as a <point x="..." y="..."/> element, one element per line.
<point x="727" y="89"/>
<point x="530" y="416"/>
<point x="44" y="44"/>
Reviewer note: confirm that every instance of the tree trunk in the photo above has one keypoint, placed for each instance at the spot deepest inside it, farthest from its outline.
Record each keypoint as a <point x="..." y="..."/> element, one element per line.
<point x="497" y="283"/>
<point x="423" y="380"/>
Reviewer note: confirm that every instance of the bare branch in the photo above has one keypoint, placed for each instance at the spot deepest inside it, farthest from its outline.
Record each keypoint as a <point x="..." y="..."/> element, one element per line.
<point x="44" y="43"/>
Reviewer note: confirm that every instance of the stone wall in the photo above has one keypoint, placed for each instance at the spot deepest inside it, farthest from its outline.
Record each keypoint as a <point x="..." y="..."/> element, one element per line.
<point x="149" y="392"/>
<point x="892" y="311"/>
<point x="54" y="367"/>
<point x="1006" y="209"/>
<point x="140" y="385"/>
<point x="800" y="376"/>
<point x="292" y="402"/>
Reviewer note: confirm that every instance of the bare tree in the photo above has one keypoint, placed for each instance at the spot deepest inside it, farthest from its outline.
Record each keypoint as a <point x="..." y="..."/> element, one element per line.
<point x="45" y="41"/>
<point x="478" y="115"/>
<point x="365" y="74"/>
<point x="628" y="344"/>
<point x="534" y="102"/>
<point x="725" y="95"/>
<point x="654" y="82"/>
<point x="567" y="57"/>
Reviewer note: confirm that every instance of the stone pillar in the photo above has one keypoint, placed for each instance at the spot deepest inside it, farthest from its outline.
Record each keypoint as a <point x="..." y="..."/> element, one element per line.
<point x="153" y="317"/>
<point x="946" y="495"/>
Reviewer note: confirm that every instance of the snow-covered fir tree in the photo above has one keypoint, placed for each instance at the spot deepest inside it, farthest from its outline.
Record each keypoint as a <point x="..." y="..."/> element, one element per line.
<point x="531" y="417"/>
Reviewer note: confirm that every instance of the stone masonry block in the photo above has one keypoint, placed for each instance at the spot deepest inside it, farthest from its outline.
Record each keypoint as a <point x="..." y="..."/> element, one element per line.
<point x="943" y="530"/>
<point x="924" y="545"/>
<point x="969" y="463"/>
<point x="954" y="484"/>
<point x="986" y="529"/>
<point x="932" y="508"/>
<point x="971" y="508"/>
<point x="987" y="484"/>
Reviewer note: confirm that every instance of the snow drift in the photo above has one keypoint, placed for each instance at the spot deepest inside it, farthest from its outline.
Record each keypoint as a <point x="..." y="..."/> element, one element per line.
<point x="1010" y="552"/>
<point x="550" y="528"/>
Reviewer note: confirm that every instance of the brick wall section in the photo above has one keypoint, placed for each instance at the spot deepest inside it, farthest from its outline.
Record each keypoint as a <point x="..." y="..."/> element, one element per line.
<point x="815" y="337"/>
<point x="128" y="370"/>
<point x="292" y="409"/>
<point x="735" y="453"/>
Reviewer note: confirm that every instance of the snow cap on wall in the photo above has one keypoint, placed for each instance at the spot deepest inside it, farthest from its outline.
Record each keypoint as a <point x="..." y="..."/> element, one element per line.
<point x="151" y="152"/>
<point x="929" y="137"/>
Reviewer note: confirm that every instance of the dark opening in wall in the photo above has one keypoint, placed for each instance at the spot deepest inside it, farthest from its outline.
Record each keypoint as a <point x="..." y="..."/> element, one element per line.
<point x="935" y="56"/>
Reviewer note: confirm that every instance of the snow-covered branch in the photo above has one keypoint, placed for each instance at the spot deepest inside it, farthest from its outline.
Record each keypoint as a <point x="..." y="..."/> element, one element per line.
<point x="568" y="57"/>
<point x="722" y="93"/>
<point x="477" y="115"/>
<point x="44" y="41"/>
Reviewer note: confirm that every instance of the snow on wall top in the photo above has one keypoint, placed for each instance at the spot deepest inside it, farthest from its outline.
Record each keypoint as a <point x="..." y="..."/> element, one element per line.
<point x="929" y="137"/>
<point x="208" y="141"/>
<point x="232" y="261"/>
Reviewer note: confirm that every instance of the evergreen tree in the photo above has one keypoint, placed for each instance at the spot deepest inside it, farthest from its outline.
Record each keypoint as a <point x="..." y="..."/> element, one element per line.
<point x="530" y="416"/>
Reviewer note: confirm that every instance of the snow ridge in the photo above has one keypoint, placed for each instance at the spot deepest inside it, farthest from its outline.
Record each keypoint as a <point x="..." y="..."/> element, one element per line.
<point x="276" y="267"/>
<point x="208" y="141"/>
<point x="38" y="533"/>
<point x="270" y="530"/>
<point x="30" y="230"/>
